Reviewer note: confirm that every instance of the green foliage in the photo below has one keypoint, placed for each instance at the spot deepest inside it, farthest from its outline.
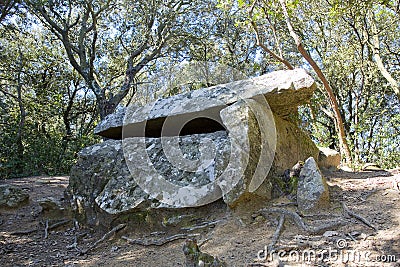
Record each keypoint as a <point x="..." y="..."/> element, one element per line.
<point x="294" y="180"/>
<point x="36" y="88"/>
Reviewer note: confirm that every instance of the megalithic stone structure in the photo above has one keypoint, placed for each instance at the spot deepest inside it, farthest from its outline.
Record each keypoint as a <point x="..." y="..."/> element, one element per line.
<point x="227" y="141"/>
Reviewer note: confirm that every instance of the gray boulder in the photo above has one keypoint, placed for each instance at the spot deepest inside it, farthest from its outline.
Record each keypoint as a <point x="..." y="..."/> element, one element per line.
<point x="12" y="197"/>
<point x="160" y="178"/>
<point x="312" y="190"/>
<point x="95" y="166"/>
<point x="272" y="148"/>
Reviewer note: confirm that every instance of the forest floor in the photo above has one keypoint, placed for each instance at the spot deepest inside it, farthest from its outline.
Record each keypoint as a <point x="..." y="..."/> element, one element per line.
<point x="24" y="240"/>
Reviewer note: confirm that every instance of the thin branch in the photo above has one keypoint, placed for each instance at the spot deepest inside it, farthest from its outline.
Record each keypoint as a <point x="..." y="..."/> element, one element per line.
<point x="259" y="42"/>
<point x="105" y="236"/>
<point x="375" y="44"/>
<point x="344" y="147"/>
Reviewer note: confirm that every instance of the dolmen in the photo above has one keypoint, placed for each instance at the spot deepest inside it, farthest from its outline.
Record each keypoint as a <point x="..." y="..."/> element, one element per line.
<point x="227" y="143"/>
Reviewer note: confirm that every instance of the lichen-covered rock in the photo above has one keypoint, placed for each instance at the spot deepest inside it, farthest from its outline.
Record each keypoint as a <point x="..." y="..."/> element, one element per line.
<point x="101" y="177"/>
<point x="95" y="166"/>
<point x="161" y="177"/>
<point x="312" y="191"/>
<point x="284" y="90"/>
<point x="54" y="208"/>
<point x="50" y="204"/>
<point x="328" y="158"/>
<point x="12" y="197"/>
<point x="292" y="146"/>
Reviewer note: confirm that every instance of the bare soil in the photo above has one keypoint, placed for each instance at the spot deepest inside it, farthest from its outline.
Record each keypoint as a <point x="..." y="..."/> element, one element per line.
<point x="373" y="195"/>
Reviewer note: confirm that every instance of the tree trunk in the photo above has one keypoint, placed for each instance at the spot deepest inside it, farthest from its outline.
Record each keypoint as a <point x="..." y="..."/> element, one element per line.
<point x="22" y="116"/>
<point x="344" y="148"/>
<point x="378" y="60"/>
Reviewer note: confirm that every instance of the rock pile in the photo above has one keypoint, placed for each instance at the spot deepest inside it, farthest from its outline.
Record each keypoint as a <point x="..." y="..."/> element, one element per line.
<point x="12" y="197"/>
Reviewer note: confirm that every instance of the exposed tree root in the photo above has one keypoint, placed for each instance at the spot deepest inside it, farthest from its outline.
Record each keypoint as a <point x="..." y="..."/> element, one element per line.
<point x="277" y="233"/>
<point x="358" y="217"/>
<point x="46" y="229"/>
<point x="105" y="236"/>
<point x="58" y="224"/>
<point x="299" y="221"/>
<point x="159" y="242"/>
<point x="75" y="246"/>
<point x="202" y="225"/>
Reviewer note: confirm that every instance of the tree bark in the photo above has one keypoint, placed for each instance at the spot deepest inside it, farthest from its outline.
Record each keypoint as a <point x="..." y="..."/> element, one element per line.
<point x="344" y="148"/>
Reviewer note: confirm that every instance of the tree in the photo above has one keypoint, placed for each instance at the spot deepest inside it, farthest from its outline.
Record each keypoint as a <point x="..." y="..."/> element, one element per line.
<point x="276" y="13"/>
<point x="6" y="8"/>
<point x="337" y="35"/>
<point x="272" y="18"/>
<point x="97" y="34"/>
<point x="374" y="42"/>
<point x="344" y="147"/>
<point x="45" y="118"/>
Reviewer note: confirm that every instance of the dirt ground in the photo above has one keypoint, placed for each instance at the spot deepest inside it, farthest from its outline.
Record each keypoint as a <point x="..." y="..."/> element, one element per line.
<point x="373" y="195"/>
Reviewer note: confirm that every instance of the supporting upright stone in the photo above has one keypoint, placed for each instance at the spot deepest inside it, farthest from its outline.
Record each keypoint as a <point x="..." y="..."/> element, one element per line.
<point x="252" y="128"/>
<point x="312" y="190"/>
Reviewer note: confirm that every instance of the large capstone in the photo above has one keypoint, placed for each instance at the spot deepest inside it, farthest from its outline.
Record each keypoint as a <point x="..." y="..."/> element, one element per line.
<point x="284" y="91"/>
